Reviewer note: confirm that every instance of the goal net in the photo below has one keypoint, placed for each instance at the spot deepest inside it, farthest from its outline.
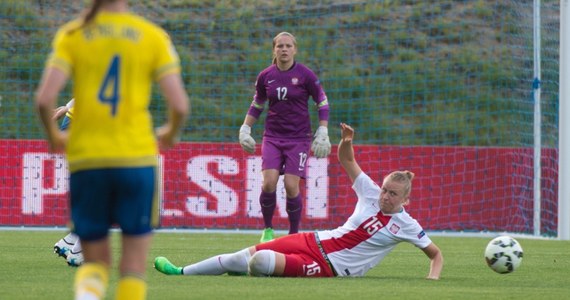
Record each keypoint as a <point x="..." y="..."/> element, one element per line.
<point x="443" y="89"/>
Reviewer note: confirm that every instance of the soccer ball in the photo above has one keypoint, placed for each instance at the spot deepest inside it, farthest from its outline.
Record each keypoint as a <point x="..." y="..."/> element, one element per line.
<point x="503" y="254"/>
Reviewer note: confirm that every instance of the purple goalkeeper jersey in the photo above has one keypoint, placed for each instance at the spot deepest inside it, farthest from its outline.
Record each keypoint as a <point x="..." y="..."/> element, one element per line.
<point x="288" y="93"/>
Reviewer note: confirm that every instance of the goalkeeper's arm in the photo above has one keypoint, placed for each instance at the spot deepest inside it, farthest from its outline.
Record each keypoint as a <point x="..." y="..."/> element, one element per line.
<point x="321" y="144"/>
<point x="245" y="139"/>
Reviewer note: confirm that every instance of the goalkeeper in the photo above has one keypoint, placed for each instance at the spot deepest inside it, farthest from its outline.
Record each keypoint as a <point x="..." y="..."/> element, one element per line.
<point x="377" y="225"/>
<point x="287" y="86"/>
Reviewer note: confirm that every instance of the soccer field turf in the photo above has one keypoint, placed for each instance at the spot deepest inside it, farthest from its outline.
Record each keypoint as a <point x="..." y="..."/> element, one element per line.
<point x="32" y="271"/>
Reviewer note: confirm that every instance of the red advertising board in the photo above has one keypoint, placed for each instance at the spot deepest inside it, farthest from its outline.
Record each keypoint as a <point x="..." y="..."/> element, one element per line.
<point x="217" y="185"/>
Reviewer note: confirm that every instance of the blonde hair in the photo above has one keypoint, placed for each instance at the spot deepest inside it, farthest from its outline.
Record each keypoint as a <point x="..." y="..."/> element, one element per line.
<point x="283" y="33"/>
<point x="404" y="177"/>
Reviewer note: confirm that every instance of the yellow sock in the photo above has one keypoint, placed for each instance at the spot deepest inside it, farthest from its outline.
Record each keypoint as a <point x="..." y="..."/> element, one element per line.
<point x="91" y="280"/>
<point x="131" y="288"/>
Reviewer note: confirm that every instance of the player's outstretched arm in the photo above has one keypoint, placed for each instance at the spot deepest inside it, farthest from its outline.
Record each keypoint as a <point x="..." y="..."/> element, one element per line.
<point x="346" y="152"/>
<point x="436" y="261"/>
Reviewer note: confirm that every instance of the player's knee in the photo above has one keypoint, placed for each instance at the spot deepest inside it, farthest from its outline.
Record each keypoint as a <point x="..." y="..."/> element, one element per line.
<point x="238" y="260"/>
<point x="262" y="263"/>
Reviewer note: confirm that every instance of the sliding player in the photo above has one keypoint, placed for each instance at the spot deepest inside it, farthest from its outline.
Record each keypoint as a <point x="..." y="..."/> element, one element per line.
<point x="379" y="222"/>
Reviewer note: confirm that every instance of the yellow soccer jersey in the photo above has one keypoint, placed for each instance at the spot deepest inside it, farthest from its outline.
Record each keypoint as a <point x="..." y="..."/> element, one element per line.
<point x="112" y="62"/>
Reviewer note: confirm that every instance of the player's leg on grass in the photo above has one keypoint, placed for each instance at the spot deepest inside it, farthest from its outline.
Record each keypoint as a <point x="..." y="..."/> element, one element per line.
<point x="236" y="262"/>
<point x="267" y="263"/>
<point x="292" y="255"/>
<point x="163" y="265"/>
<point x="272" y="263"/>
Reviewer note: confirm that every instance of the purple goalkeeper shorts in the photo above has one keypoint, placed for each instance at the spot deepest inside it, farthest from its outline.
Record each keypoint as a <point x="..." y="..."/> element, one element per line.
<point x="287" y="156"/>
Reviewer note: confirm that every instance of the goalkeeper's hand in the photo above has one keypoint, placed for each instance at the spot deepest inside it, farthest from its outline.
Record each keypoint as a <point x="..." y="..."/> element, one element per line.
<point x="321" y="145"/>
<point x="245" y="139"/>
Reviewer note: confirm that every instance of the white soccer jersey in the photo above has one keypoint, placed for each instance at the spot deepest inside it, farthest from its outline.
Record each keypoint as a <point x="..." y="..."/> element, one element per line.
<point x="369" y="235"/>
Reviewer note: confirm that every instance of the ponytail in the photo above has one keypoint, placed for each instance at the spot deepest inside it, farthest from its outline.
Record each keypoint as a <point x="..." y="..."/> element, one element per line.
<point x="92" y="12"/>
<point x="90" y="15"/>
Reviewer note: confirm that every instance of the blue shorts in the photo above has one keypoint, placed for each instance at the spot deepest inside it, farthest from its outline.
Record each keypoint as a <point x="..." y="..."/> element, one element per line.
<point x="101" y="198"/>
<point x="287" y="156"/>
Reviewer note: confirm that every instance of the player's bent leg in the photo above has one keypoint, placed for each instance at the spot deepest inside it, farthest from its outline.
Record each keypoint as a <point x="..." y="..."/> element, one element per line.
<point x="262" y="263"/>
<point x="267" y="263"/>
<point x="236" y="263"/>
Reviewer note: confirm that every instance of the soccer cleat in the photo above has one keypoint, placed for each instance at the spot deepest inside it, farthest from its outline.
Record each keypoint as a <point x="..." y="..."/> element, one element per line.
<point x="267" y="235"/>
<point x="164" y="266"/>
<point x="62" y="247"/>
<point x="74" y="259"/>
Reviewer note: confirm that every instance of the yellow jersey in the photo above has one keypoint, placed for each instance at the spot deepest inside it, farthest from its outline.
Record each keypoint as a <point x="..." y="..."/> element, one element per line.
<point x="112" y="62"/>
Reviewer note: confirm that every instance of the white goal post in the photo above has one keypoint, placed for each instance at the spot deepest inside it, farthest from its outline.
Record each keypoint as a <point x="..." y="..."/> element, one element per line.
<point x="564" y="126"/>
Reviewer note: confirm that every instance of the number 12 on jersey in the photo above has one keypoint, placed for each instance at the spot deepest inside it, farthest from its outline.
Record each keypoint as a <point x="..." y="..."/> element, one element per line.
<point x="109" y="90"/>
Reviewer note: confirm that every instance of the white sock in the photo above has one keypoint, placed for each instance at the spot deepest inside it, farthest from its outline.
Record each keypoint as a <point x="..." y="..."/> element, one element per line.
<point x="76" y="247"/>
<point x="220" y="264"/>
<point x="71" y="238"/>
<point x="262" y="263"/>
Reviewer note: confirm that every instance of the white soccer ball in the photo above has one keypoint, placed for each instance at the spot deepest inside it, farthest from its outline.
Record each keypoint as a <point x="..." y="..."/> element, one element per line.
<point x="503" y="254"/>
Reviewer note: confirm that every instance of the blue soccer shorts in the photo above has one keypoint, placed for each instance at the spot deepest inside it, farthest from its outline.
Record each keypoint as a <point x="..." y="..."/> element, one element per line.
<point x="101" y="198"/>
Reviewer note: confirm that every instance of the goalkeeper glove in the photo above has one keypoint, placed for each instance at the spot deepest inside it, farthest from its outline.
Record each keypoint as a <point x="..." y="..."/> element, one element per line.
<point x="321" y="145"/>
<point x="245" y="139"/>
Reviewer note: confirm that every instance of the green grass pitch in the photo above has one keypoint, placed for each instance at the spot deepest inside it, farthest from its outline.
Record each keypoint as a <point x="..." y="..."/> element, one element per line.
<point x="30" y="270"/>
